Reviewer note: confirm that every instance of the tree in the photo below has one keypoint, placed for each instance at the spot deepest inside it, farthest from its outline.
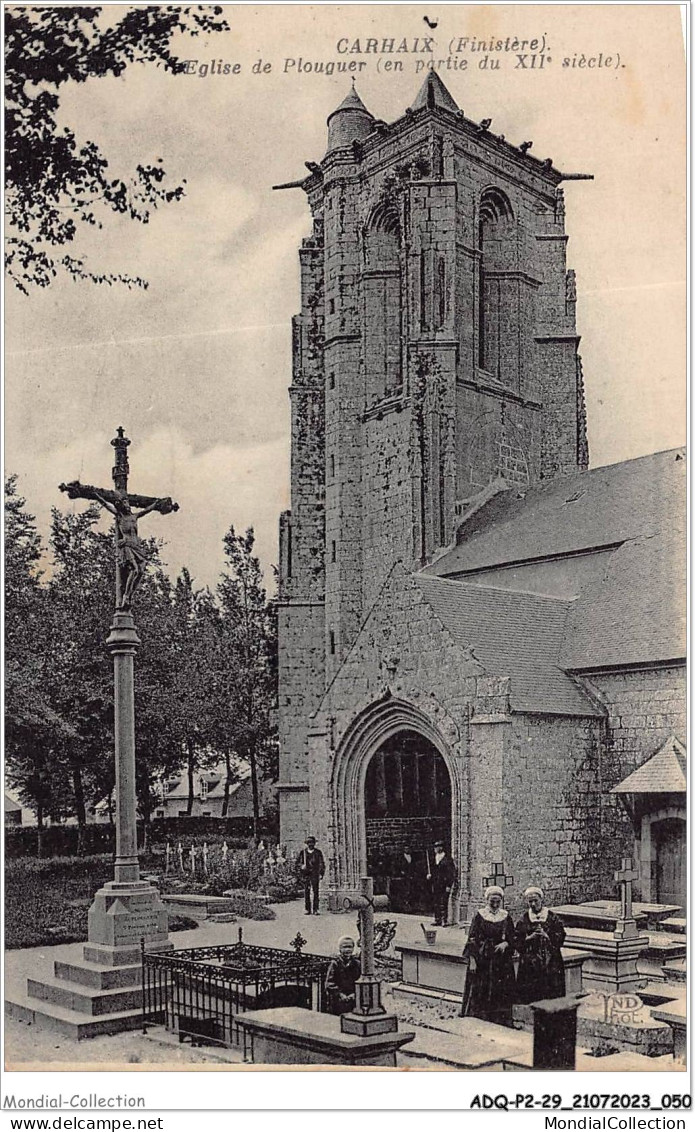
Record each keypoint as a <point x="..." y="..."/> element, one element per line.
<point x="79" y="603"/>
<point x="190" y="677"/>
<point x="54" y="181"/>
<point x="246" y="684"/>
<point x="32" y="725"/>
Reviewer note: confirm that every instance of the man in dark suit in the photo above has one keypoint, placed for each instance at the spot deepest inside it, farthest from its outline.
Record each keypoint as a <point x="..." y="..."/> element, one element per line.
<point x="441" y="876"/>
<point x="311" y="867"/>
<point x="406" y="881"/>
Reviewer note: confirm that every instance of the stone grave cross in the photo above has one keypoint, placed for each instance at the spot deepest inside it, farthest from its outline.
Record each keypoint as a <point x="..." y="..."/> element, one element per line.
<point x="625" y="928"/>
<point x="369" y="1016"/>
<point x="498" y="877"/>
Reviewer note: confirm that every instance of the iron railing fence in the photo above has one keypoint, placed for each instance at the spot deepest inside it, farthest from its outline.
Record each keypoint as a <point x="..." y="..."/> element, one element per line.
<point x="199" y="991"/>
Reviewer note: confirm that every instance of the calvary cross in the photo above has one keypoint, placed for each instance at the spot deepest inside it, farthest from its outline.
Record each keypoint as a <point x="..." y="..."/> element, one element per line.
<point x="131" y="552"/>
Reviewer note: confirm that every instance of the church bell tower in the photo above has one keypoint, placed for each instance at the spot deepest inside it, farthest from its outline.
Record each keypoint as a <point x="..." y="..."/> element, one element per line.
<point x="434" y="354"/>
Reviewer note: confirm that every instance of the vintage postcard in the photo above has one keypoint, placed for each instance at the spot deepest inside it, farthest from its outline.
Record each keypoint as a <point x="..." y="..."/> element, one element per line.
<point x="345" y="541"/>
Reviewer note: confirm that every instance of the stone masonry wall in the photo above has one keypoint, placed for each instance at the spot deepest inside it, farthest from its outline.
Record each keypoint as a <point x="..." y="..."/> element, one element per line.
<point x="645" y="707"/>
<point x="553" y="798"/>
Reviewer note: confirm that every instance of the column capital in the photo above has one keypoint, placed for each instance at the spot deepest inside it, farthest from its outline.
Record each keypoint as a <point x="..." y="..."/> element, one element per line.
<point x="123" y="637"/>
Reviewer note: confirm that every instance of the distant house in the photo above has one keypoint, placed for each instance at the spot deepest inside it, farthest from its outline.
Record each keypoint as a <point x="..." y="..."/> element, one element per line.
<point x="208" y="795"/>
<point x="13" y="812"/>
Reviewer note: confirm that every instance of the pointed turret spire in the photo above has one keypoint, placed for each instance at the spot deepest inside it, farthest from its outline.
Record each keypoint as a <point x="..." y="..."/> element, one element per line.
<point x="433" y="94"/>
<point x="350" y="122"/>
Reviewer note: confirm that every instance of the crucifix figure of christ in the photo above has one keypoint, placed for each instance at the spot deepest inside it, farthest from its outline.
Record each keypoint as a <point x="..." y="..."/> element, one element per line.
<point x="131" y="551"/>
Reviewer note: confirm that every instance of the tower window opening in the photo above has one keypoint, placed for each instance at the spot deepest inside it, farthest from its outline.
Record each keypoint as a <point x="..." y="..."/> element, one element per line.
<point x="331" y="643"/>
<point x="495" y="248"/>
<point x="333" y="553"/>
<point x="383" y="301"/>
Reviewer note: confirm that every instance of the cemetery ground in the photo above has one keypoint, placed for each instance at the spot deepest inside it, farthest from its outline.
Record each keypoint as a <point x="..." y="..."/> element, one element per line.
<point x="47" y="900"/>
<point x="439" y="1036"/>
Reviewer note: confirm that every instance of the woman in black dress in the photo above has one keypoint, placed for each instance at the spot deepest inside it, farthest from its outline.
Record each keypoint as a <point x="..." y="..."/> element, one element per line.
<point x="539" y="939"/>
<point x="490" y="984"/>
<point x="341" y="978"/>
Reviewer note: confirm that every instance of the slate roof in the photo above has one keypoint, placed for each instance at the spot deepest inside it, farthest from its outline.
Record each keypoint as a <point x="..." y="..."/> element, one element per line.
<point x="633" y="610"/>
<point x="600" y="507"/>
<point x="434" y="93"/>
<point x="511" y="634"/>
<point x="663" y="773"/>
<point x="215" y="780"/>
<point x="352" y="101"/>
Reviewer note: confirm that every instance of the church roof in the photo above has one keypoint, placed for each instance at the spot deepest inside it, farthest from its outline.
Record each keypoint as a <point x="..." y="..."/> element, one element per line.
<point x="663" y="773"/>
<point x="632" y="610"/>
<point x="511" y="634"/>
<point x="433" y="93"/>
<point x="352" y="101"/>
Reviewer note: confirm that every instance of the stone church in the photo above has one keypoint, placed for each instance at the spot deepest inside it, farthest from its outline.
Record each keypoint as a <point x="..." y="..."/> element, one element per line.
<point x="481" y="638"/>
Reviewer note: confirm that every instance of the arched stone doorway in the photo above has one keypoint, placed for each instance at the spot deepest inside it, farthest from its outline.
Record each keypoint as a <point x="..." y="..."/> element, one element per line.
<point x="407" y="805"/>
<point x="387" y="726"/>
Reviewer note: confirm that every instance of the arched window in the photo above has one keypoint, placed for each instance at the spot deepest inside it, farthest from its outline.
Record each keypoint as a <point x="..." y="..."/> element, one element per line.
<point x="496" y="250"/>
<point x="383" y="301"/>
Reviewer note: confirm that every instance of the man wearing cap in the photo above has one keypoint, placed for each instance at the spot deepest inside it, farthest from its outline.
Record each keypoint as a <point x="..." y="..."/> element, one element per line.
<point x="442" y="875"/>
<point x="311" y="868"/>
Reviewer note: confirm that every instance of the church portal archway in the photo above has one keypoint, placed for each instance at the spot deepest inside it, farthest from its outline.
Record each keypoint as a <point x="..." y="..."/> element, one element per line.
<point x="407" y="805"/>
<point x="384" y="726"/>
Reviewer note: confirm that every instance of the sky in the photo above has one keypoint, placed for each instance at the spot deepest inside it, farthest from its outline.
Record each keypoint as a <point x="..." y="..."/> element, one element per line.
<point x="197" y="367"/>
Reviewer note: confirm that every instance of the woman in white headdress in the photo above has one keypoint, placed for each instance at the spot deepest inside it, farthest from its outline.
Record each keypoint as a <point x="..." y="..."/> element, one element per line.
<point x="490" y="985"/>
<point x="539" y="938"/>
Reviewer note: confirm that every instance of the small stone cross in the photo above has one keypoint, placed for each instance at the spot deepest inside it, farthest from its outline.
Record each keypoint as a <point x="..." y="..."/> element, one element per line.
<point x="625" y="927"/>
<point x="499" y="877"/>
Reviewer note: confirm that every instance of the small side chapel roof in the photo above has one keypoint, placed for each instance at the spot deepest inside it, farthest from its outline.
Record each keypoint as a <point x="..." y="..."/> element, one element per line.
<point x="663" y="773"/>
<point x="433" y="93"/>
<point x="511" y="634"/>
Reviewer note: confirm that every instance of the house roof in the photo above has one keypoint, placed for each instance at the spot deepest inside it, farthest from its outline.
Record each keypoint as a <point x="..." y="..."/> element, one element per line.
<point x="663" y="773"/>
<point x="11" y="807"/>
<point x="511" y="634"/>
<point x="215" y="780"/>
<point x="632" y="611"/>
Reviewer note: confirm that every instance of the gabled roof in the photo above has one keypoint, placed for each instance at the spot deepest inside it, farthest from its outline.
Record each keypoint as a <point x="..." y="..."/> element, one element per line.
<point x="663" y="773"/>
<point x="11" y="806"/>
<point x="433" y="94"/>
<point x="600" y="507"/>
<point x="511" y="634"/>
<point x="215" y="779"/>
<point x="631" y="609"/>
